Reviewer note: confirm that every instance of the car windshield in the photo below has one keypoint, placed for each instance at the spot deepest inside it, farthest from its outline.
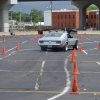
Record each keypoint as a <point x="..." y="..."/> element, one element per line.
<point x="54" y="35"/>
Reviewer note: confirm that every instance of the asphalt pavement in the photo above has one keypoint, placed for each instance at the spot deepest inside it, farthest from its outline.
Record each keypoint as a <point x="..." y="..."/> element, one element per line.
<point x="31" y="74"/>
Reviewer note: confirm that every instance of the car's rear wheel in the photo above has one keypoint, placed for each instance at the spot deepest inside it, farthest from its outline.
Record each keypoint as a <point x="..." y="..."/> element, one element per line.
<point x="65" y="48"/>
<point x="76" y="45"/>
<point x="44" y="48"/>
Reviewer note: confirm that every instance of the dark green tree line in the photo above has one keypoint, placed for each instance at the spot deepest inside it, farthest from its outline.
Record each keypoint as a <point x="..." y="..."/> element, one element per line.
<point x="37" y="15"/>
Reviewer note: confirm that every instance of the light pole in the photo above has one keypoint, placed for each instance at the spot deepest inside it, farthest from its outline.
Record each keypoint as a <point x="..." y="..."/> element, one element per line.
<point x="51" y="12"/>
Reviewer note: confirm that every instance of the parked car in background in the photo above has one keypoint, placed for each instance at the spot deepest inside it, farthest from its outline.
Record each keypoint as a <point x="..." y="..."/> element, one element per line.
<point x="58" y="40"/>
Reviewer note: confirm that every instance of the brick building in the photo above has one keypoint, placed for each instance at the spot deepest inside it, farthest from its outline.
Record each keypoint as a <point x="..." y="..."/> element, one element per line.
<point x="70" y="19"/>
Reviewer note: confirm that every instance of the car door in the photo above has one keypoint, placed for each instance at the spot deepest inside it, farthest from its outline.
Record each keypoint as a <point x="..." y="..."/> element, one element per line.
<point x="71" y="41"/>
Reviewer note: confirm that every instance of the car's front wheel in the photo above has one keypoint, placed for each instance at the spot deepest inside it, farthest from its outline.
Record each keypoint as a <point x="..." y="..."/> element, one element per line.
<point x="65" y="48"/>
<point x="44" y="48"/>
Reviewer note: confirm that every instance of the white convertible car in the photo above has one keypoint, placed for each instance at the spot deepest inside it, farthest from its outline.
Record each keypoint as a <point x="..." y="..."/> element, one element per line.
<point x="58" y="40"/>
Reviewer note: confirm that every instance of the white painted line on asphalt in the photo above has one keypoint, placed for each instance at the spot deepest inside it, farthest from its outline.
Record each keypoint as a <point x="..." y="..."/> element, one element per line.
<point x="98" y="63"/>
<point x="46" y="52"/>
<point x="7" y="55"/>
<point x="85" y="52"/>
<point x="23" y="42"/>
<point x="67" y="84"/>
<point x="29" y="49"/>
<point x="39" y="77"/>
<point x="11" y="49"/>
<point x="96" y="41"/>
<point x="91" y="49"/>
<point x="69" y="55"/>
<point x="85" y="42"/>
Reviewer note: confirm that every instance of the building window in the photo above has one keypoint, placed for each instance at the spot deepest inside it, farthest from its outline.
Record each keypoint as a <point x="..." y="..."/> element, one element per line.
<point x="94" y="16"/>
<point x="65" y="24"/>
<point x="87" y="24"/>
<point x="65" y="16"/>
<point x="61" y="16"/>
<point x="86" y="16"/>
<point x="91" y="16"/>
<point x="69" y="25"/>
<point x="91" y="24"/>
<point x="58" y="25"/>
<point x="58" y="16"/>
<point x="94" y="24"/>
<point x="69" y="16"/>
<point x="97" y="16"/>
<point x="73" y="16"/>
<point x="73" y="25"/>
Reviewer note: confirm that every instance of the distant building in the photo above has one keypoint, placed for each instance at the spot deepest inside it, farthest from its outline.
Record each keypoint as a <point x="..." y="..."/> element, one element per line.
<point x="70" y="19"/>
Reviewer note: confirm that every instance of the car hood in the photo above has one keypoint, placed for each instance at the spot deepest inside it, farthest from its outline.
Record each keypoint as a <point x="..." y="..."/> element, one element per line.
<point x="50" y="38"/>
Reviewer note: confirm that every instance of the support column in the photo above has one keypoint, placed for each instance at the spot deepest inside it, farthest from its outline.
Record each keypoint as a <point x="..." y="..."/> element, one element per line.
<point x="5" y="6"/>
<point x="99" y="20"/>
<point x="4" y="25"/>
<point x="82" y="18"/>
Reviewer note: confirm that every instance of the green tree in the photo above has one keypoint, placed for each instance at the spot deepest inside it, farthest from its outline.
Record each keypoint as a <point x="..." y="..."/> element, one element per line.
<point x="93" y="8"/>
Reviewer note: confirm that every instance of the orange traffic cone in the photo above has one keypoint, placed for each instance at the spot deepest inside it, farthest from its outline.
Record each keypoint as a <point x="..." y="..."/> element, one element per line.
<point x="73" y="58"/>
<point x="81" y="48"/>
<point x="98" y="35"/>
<point x="75" y="89"/>
<point x="17" y="47"/>
<point x="75" y="71"/>
<point x="20" y="36"/>
<point x="26" y="34"/>
<point x="33" y="39"/>
<point x="74" y="52"/>
<point x="88" y="37"/>
<point x="99" y="46"/>
<point x="4" y="51"/>
<point x="85" y="34"/>
<point x="4" y="40"/>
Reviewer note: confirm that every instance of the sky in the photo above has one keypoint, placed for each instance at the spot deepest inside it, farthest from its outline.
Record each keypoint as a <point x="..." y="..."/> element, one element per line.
<point x="43" y="5"/>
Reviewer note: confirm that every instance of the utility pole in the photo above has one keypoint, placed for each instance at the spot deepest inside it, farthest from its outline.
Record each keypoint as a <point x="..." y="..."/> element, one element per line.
<point x="51" y="12"/>
<point x="31" y="15"/>
<point x="20" y="14"/>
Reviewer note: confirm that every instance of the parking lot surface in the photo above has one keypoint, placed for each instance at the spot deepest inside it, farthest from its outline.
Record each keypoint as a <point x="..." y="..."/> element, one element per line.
<point x="31" y="74"/>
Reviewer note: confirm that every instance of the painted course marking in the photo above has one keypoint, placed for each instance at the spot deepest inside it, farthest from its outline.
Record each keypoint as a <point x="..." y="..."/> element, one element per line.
<point x="67" y="83"/>
<point x="23" y="42"/>
<point x="85" y="52"/>
<point x="39" y="77"/>
<point x="85" y="42"/>
<point x="47" y="92"/>
<point x="98" y="63"/>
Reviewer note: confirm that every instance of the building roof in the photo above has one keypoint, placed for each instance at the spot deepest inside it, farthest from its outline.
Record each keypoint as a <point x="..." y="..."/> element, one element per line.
<point x="66" y="10"/>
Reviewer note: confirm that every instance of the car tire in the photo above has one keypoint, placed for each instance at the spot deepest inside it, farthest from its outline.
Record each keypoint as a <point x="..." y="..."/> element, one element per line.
<point x="65" y="48"/>
<point x="76" y="45"/>
<point x="44" y="48"/>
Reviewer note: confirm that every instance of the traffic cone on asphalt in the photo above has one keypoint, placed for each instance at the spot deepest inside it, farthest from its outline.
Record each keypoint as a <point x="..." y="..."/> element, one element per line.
<point x="4" y="40"/>
<point x="74" y="52"/>
<point x="4" y="51"/>
<point x="98" y="35"/>
<point x="99" y="46"/>
<point x="75" y="89"/>
<point x="88" y="37"/>
<point x="85" y="34"/>
<point x="75" y="70"/>
<point x="73" y="58"/>
<point x="33" y="39"/>
<point x="17" y="47"/>
<point x="81" y="48"/>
